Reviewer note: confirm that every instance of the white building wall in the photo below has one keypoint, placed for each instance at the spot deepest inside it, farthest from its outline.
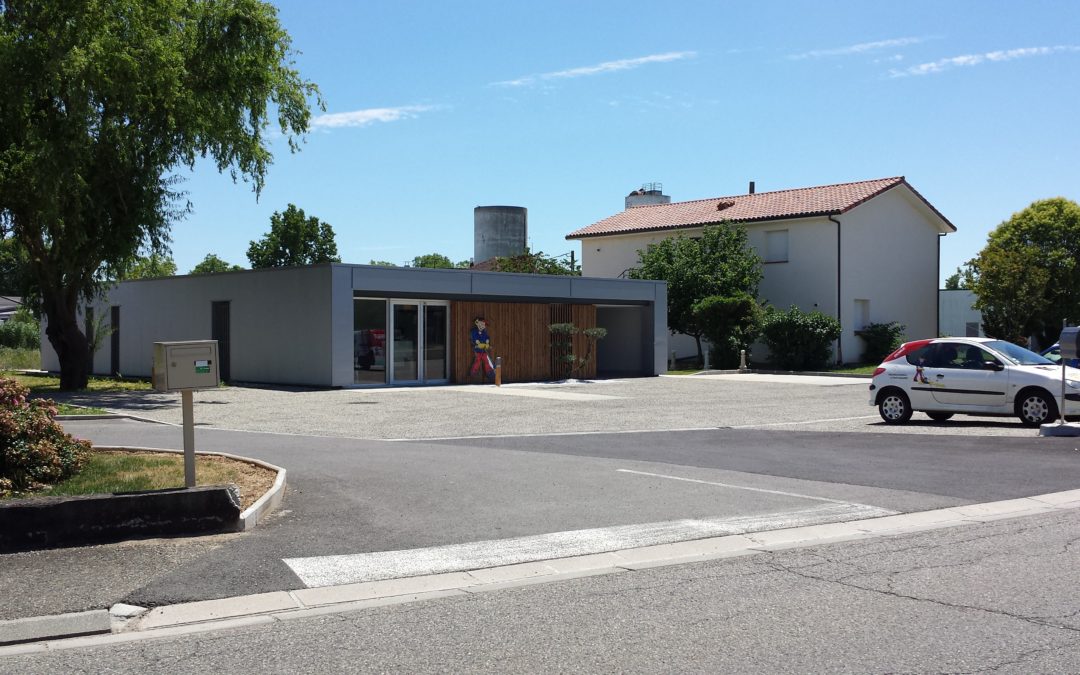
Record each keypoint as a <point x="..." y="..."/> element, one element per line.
<point x="890" y="257"/>
<point x="280" y="323"/>
<point x="956" y="312"/>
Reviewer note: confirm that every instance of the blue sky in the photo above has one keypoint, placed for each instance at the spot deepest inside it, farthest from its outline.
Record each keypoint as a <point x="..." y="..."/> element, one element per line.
<point x="433" y="108"/>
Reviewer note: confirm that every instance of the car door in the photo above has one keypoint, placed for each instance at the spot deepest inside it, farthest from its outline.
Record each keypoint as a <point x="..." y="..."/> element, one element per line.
<point x="965" y="374"/>
<point x="918" y="385"/>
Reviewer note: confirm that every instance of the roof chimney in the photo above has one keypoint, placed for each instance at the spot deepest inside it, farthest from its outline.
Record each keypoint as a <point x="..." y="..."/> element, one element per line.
<point x="649" y="193"/>
<point x="751" y="187"/>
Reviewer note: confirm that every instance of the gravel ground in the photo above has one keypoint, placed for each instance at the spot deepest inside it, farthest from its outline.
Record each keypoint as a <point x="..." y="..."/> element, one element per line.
<point x="805" y="403"/>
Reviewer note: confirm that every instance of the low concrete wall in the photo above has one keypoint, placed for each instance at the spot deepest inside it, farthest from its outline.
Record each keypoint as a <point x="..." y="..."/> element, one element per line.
<point x="49" y="522"/>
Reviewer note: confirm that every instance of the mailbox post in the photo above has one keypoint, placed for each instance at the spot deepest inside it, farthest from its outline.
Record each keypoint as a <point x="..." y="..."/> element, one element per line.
<point x="185" y="367"/>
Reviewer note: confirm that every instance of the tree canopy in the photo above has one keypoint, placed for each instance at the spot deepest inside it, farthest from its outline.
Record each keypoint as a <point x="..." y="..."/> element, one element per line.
<point x="536" y="263"/>
<point x="718" y="263"/>
<point x="1027" y="277"/>
<point x="294" y="239"/>
<point x="149" y="267"/>
<point x="433" y="260"/>
<point x="104" y="100"/>
<point x="212" y="264"/>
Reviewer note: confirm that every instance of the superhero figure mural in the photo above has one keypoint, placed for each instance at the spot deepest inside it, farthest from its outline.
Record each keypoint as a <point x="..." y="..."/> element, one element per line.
<point x="481" y="344"/>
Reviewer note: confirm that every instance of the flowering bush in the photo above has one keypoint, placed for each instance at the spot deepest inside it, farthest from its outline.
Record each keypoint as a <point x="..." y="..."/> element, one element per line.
<point x="34" y="450"/>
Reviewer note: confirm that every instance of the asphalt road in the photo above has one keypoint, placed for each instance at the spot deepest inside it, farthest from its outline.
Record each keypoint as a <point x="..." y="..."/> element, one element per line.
<point x="349" y="496"/>
<point x="996" y="597"/>
<point x="478" y="464"/>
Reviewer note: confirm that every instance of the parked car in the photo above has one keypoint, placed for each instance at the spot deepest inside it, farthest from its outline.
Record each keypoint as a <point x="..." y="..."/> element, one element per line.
<point x="1054" y="354"/>
<point x="971" y="376"/>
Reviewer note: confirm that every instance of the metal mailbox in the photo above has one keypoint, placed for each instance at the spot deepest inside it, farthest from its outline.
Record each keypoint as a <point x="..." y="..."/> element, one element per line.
<point x="1070" y="343"/>
<point x="186" y="365"/>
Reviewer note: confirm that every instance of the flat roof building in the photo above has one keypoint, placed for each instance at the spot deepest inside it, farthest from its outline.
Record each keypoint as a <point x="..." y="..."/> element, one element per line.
<point x="342" y="325"/>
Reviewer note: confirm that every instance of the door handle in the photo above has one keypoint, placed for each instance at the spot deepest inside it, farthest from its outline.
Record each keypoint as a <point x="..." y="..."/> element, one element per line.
<point x="940" y="376"/>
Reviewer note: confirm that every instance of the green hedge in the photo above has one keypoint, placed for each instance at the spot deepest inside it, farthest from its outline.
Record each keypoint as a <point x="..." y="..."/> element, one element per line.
<point x="799" y="340"/>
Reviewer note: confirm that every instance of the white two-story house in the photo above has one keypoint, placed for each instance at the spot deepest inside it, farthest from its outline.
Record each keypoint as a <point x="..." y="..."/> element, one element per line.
<point x="863" y="252"/>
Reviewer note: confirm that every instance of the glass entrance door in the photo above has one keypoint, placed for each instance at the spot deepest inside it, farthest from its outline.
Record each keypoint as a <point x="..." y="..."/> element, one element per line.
<point x="405" y="324"/>
<point x="436" y="333"/>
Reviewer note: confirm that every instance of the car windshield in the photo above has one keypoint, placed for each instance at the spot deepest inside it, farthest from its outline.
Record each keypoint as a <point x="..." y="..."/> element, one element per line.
<point x="1018" y="355"/>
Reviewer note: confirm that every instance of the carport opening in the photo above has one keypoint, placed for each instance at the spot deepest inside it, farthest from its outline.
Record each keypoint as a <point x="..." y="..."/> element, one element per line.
<point x="625" y="352"/>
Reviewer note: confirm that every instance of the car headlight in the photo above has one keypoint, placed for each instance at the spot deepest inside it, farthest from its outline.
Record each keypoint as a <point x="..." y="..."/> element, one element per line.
<point x="1073" y="384"/>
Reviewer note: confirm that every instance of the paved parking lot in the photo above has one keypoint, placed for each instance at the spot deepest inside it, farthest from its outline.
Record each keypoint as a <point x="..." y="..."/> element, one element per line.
<point x="782" y="402"/>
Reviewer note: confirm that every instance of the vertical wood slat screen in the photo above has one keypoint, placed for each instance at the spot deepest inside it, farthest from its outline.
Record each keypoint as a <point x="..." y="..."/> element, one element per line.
<point x="519" y="334"/>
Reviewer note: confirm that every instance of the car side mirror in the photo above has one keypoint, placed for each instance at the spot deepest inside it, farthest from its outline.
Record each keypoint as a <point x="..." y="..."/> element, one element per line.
<point x="993" y="365"/>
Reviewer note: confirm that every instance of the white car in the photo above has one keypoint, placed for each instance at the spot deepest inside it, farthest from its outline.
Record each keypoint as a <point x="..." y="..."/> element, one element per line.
<point x="971" y="376"/>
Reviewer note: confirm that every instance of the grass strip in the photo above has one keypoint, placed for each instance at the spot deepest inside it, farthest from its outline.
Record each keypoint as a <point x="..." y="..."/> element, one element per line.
<point x="115" y="471"/>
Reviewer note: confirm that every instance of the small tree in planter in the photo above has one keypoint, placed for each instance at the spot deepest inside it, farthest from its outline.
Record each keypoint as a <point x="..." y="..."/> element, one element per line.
<point x="34" y="450"/>
<point x="562" y="335"/>
<point x="799" y="340"/>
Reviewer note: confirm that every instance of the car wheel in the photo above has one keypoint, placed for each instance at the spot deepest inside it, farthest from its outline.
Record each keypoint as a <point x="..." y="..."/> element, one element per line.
<point x="1035" y="408"/>
<point x="894" y="407"/>
<point x="939" y="416"/>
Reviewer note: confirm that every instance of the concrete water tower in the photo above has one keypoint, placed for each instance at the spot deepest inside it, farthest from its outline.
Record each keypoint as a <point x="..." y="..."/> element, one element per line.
<point x="648" y="193"/>
<point x="499" y="231"/>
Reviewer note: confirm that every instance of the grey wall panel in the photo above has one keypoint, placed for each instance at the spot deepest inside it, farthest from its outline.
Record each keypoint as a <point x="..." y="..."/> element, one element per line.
<point x="613" y="289"/>
<point x="341" y="326"/>
<point x="280" y="322"/>
<point x="622" y="353"/>
<point x="389" y="280"/>
<point x="659" y="326"/>
<point x="521" y="285"/>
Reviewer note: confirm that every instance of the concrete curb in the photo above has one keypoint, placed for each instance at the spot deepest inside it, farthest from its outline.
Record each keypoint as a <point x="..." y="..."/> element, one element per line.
<point x="251" y="516"/>
<point x="263" y="608"/>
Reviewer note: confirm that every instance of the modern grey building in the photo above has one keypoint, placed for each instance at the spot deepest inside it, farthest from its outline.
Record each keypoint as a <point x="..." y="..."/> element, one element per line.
<point x="346" y="325"/>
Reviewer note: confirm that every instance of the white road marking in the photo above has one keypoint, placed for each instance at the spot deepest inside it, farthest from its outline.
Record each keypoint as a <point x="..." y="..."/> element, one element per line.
<point x="552" y="433"/>
<point x="361" y="567"/>
<point x="788" y="424"/>
<point x="744" y="487"/>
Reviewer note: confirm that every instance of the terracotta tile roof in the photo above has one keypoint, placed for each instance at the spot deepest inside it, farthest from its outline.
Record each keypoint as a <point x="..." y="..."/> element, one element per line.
<point x="782" y="204"/>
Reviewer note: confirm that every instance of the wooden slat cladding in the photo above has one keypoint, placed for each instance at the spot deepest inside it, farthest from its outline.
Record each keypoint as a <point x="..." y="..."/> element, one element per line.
<point x="519" y="334"/>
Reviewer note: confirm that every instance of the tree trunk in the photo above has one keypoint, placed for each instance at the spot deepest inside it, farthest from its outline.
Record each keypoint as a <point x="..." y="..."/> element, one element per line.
<point x="72" y="348"/>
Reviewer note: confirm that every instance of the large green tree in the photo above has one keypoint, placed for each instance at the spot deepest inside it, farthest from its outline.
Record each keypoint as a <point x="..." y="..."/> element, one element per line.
<point x="212" y="264"/>
<point x="103" y="101"/>
<point x="433" y="260"/>
<point x="149" y="267"/>
<point x="718" y="263"/>
<point x="294" y="239"/>
<point x="1027" y="277"/>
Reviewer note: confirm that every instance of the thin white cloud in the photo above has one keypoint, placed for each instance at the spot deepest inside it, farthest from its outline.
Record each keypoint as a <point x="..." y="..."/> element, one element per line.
<point x="859" y="48"/>
<point x="978" y="59"/>
<point x="598" y="69"/>
<point x="362" y="118"/>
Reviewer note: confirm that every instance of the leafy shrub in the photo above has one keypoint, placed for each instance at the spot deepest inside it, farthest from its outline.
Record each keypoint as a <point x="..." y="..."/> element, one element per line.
<point x="730" y="324"/>
<point x="799" y="340"/>
<point x="19" y="335"/>
<point x="34" y="450"/>
<point x="881" y="339"/>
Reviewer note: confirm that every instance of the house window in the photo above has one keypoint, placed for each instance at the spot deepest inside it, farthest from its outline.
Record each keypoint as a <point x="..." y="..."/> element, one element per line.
<point x="776" y="246"/>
